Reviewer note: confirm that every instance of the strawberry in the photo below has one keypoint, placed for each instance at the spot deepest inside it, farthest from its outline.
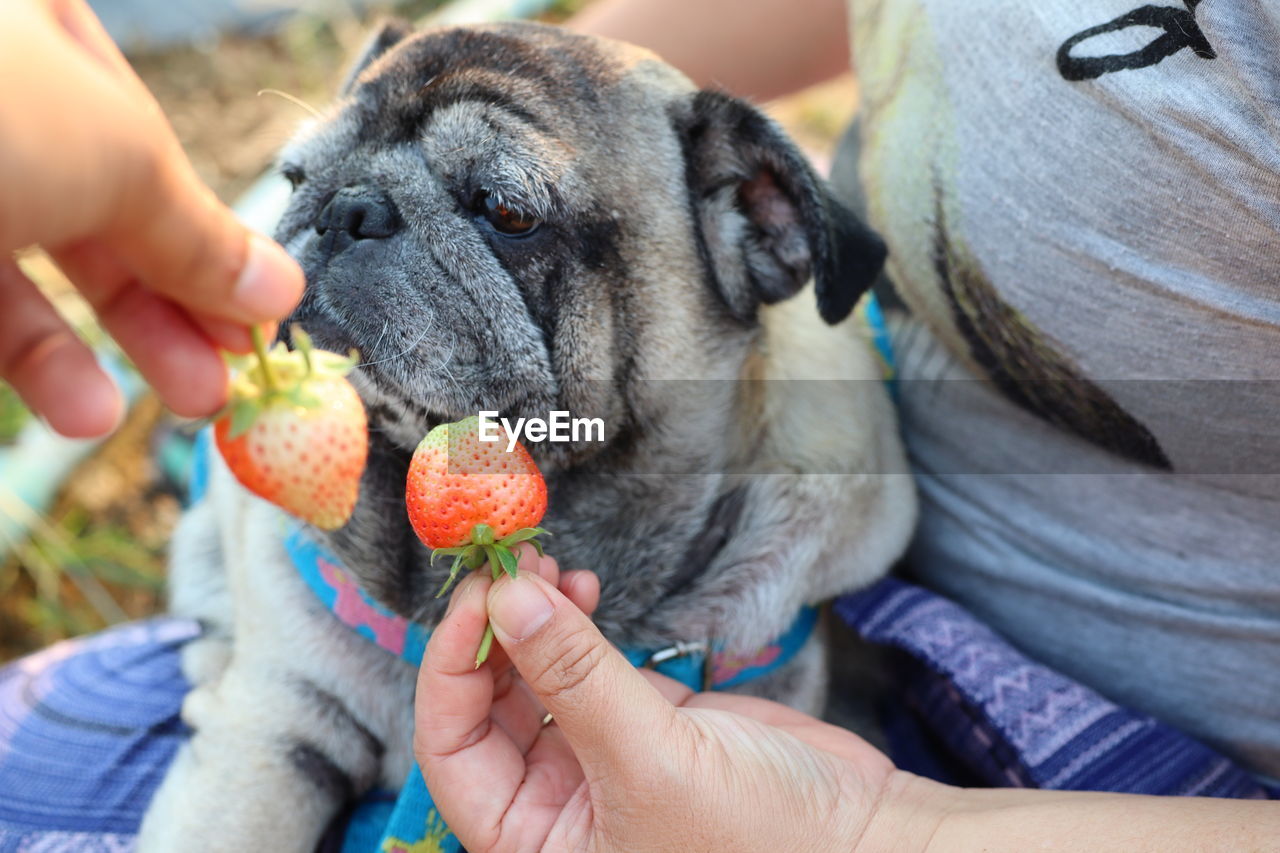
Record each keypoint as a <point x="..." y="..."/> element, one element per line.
<point x="295" y="432"/>
<point x="474" y="501"/>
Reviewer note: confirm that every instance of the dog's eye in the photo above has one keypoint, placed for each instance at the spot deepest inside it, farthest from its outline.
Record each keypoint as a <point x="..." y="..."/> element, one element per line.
<point x="507" y="220"/>
<point x="293" y="174"/>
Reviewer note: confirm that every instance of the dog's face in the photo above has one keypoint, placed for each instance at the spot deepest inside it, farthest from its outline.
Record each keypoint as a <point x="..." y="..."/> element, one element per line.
<point x="517" y="218"/>
<point x="497" y="218"/>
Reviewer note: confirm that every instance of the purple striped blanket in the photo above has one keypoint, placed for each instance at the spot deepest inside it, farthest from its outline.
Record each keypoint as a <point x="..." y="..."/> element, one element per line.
<point x="88" y="727"/>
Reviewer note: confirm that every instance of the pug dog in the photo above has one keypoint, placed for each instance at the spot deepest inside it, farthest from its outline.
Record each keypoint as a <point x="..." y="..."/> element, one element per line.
<point x="520" y="219"/>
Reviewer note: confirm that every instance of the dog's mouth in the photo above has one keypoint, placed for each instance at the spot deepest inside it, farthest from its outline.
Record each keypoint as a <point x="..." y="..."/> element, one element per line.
<point x="401" y="414"/>
<point x="325" y="334"/>
<point x="390" y="408"/>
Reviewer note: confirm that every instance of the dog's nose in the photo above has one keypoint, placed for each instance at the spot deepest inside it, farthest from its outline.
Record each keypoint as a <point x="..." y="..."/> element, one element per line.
<point x="358" y="213"/>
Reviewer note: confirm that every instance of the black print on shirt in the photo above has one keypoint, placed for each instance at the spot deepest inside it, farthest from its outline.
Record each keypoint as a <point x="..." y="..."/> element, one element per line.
<point x="1180" y="30"/>
<point x="1023" y="362"/>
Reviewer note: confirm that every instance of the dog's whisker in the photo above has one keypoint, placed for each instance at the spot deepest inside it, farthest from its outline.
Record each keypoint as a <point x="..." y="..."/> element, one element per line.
<point x="402" y="353"/>
<point x="442" y="367"/>
<point x="386" y="324"/>
<point x="417" y="615"/>
<point x="293" y="99"/>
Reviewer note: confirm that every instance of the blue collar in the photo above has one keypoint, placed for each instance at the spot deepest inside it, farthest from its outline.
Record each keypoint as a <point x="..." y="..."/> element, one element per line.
<point x="871" y="314"/>
<point x="689" y="663"/>
<point x="352" y="606"/>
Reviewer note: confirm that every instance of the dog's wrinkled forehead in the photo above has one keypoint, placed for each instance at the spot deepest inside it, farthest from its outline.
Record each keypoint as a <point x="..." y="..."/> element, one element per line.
<point x="550" y="79"/>
<point x="522" y="101"/>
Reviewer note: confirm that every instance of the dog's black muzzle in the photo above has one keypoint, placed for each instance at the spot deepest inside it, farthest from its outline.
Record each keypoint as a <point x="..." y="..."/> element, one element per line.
<point x="354" y="214"/>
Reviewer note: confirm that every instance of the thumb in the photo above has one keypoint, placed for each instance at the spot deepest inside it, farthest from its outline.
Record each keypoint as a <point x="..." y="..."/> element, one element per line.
<point x="615" y="720"/>
<point x="185" y="245"/>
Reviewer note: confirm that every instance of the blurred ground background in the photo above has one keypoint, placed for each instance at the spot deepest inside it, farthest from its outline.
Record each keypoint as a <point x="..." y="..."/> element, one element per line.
<point x="96" y="555"/>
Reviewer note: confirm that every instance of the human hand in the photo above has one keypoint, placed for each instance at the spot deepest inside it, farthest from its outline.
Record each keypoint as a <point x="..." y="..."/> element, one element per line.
<point x="633" y="761"/>
<point x="91" y="172"/>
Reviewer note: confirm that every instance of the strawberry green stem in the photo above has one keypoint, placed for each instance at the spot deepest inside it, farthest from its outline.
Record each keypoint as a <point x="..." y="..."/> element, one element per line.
<point x="302" y="341"/>
<point x="481" y="548"/>
<point x="260" y="347"/>
<point x="486" y="642"/>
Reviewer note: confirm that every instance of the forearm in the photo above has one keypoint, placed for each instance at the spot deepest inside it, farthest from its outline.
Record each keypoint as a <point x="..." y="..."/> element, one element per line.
<point x="760" y="49"/>
<point x="1019" y="819"/>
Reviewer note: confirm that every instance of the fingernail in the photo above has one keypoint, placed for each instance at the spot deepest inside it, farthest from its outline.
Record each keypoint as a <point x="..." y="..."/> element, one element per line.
<point x="270" y="283"/>
<point x="518" y="608"/>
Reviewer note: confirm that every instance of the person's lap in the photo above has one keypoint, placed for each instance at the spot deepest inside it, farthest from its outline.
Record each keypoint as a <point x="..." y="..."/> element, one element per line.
<point x="88" y="728"/>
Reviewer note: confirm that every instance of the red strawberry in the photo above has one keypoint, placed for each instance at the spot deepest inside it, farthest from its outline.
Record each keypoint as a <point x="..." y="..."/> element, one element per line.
<point x="295" y="432"/>
<point x="473" y="500"/>
<point x="457" y="481"/>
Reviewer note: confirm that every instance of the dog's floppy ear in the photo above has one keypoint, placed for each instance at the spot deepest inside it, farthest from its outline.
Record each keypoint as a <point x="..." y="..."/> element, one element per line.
<point x="765" y="220"/>
<point x="386" y="36"/>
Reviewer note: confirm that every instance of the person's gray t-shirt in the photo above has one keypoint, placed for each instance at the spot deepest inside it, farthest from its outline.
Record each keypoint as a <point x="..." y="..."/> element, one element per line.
<point x="1082" y="204"/>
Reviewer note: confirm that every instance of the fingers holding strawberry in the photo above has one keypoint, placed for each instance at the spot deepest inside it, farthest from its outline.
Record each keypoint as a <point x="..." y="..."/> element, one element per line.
<point x="473" y="500"/>
<point x="580" y="586"/>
